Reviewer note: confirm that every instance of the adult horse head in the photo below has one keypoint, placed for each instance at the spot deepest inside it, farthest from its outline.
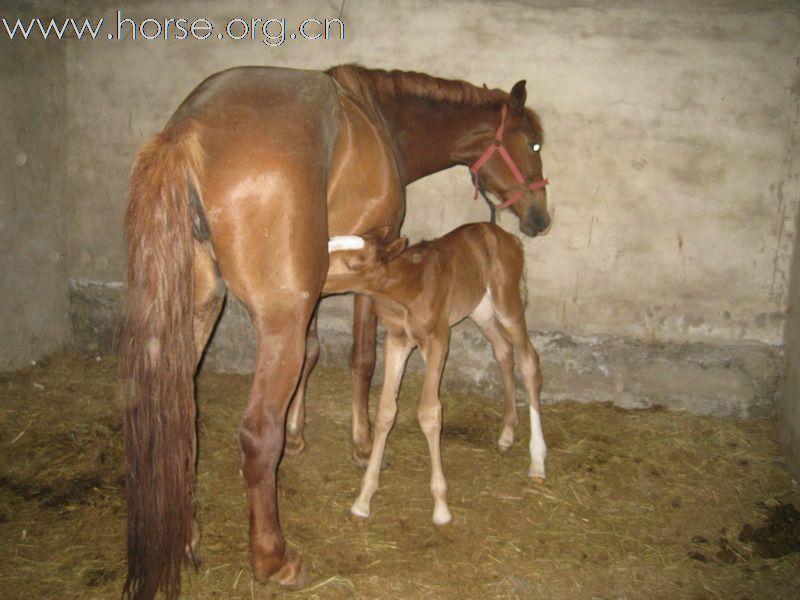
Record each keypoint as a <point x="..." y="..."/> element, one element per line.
<point x="511" y="166"/>
<point x="435" y="123"/>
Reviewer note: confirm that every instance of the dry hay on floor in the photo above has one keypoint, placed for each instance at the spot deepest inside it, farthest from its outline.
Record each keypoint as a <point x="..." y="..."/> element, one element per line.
<point x="637" y="503"/>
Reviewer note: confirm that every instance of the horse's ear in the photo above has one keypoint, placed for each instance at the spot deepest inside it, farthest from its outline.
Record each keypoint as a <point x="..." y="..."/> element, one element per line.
<point x="516" y="101"/>
<point x="395" y="248"/>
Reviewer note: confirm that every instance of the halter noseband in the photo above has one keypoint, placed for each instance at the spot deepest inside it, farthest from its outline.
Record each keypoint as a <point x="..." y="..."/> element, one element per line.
<point x="497" y="146"/>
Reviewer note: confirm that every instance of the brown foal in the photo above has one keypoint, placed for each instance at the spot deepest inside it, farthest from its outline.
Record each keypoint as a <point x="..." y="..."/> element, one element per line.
<point x="475" y="271"/>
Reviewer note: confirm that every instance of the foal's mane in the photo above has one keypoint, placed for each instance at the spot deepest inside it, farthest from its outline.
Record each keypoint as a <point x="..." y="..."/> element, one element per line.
<point x="370" y="85"/>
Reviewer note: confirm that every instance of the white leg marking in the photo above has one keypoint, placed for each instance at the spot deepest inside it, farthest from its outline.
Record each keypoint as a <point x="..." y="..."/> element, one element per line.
<point x="537" y="446"/>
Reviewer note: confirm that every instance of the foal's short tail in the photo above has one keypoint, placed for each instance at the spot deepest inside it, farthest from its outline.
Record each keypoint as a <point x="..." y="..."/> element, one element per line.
<point x="158" y="363"/>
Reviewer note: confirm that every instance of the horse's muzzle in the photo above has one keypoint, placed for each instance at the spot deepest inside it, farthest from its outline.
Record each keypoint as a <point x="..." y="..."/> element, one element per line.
<point x="534" y="222"/>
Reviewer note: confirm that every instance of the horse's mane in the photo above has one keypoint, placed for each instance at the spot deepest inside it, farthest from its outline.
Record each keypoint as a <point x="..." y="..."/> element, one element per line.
<point x="377" y="83"/>
<point x="371" y="85"/>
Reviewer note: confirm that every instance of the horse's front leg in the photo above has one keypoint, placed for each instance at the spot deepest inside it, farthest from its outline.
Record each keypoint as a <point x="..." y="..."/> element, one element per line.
<point x="362" y="365"/>
<point x="434" y="352"/>
<point x="396" y="350"/>
<point x="296" y="419"/>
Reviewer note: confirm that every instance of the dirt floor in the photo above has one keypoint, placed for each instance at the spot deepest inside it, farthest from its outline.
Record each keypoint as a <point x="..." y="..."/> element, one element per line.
<point x="638" y="504"/>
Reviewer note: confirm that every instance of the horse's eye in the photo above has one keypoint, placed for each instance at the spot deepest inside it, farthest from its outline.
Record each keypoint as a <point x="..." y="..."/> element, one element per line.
<point x="535" y="147"/>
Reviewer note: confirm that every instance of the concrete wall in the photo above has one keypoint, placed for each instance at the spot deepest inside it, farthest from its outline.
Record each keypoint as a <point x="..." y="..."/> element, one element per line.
<point x="34" y="299"/>
<point x="672" y="147"/>
<point x="789" y="394"/>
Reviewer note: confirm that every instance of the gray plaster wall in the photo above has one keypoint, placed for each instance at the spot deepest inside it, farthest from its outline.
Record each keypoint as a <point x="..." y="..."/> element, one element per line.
<point x="789" y="395"/>
<point x="671" y="142"/>
<point x="34" y="227"/>
<point x="672" y="148"/>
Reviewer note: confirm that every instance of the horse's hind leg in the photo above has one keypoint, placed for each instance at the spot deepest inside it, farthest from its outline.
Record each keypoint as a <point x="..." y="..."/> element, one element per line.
<point x="296" y="419"/>
<point x="280" y="336"/>
<point x="279" y="288"/>
<point x="532" y="380"/>
<point x="261" y="435"/>
<point x="483" y="316"/>
<point x="209" y="295"/>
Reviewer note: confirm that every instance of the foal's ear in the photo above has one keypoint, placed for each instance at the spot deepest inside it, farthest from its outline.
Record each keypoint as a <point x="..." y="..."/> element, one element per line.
<point x="517" y="97"/>
<point x="395" y="248"/>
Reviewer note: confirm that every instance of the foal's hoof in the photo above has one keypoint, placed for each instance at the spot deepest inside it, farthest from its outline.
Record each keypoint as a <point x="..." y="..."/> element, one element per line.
<point x="361" y="457"/>
<point x="442" y="516"/>
<point x="360" y="511"/>
<point x="536" y="473"/>
<point x="293" y="573"/>
<point x="294" y="446"/>
<point x="506" y="440"/>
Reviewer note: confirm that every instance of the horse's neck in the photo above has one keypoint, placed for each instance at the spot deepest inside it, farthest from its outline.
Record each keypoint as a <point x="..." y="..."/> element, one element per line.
<point x="430" y="136"/>
<point x="403" y="278"/>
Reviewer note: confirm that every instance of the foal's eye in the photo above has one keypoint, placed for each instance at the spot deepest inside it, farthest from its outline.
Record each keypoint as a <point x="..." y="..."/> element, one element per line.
<point x="535" y="147"/>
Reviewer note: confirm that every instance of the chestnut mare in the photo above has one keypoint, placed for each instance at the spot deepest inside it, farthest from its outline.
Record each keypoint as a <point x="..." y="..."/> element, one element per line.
<point x="240" y="192"/>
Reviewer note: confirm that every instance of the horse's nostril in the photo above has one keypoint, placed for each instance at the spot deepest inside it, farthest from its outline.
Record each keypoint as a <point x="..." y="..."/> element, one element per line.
<point x="534" y="223"/>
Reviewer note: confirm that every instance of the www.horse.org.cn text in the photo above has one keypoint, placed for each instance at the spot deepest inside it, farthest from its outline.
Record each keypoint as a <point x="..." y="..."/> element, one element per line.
<point x="271" y="31"/>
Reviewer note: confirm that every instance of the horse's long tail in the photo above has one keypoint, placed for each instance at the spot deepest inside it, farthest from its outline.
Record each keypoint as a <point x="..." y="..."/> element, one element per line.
<point x="158" y="363"/>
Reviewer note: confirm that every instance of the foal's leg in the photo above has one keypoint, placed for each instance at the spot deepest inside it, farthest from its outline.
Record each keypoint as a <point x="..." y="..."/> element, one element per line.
<point x="483" y="316"/>
<point x="396" y="351"/>
<point x="434" y="352"/>
<point x="362" y="365"/>
<point x="296" y="419"/>
<point x="504" y="355"/>
<point x="532" y="380"/>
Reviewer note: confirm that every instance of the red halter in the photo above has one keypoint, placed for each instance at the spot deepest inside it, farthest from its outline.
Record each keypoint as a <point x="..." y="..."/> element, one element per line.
<point x="497" y="146"/>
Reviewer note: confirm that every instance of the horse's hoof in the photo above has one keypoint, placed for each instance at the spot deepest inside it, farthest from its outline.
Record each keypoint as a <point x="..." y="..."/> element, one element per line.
<point x="506" y="440"/>
<point x="360" y="510"/>
<point x="504" y="447"/>
<point x="192" y="548"/>
<point x="442" y="517"/>
<point x="358" y="519"/>
<point x="295" y="446"/>
<point x="536" y="473"/>
<point x="293" y="573"/>
<point x="361" y="458"/>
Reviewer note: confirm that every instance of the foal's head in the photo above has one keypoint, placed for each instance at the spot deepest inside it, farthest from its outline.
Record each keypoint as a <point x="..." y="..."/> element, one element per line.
<point x="518" y="183"/>
<point x="358" y="264"/>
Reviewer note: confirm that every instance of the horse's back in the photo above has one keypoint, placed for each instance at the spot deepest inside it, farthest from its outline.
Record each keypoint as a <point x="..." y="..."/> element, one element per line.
<point x="267" y="138"/>
<point x="483" y="256"/>
<point x="263" y="93"/>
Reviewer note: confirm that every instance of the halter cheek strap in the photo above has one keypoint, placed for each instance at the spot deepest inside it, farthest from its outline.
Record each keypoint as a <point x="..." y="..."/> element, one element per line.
<point x="497" y="146"/>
